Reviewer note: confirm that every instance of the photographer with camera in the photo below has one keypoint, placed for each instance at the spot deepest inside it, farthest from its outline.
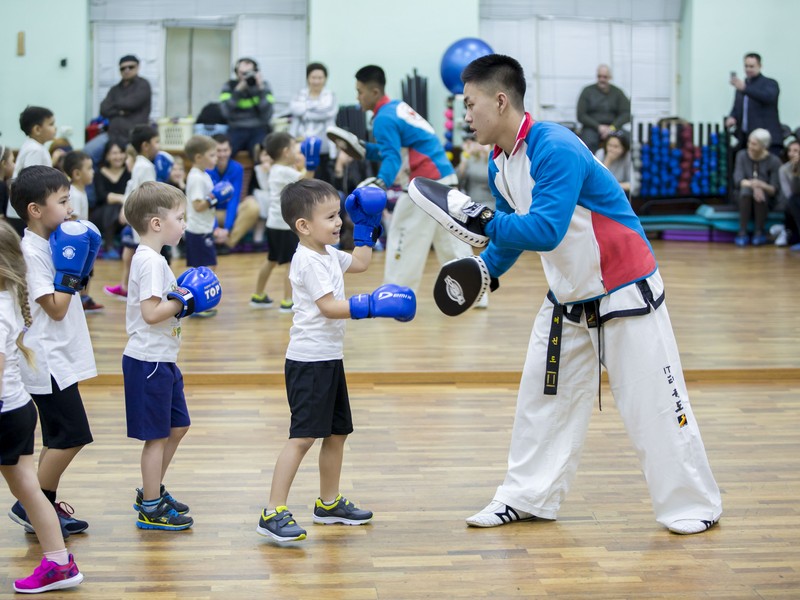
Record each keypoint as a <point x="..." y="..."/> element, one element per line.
<point x="247" y="104"/>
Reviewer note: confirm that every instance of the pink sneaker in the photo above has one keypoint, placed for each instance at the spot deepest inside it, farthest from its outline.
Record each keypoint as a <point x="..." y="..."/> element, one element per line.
<point x="50" y="576"/>
<point x="116" y="291"/>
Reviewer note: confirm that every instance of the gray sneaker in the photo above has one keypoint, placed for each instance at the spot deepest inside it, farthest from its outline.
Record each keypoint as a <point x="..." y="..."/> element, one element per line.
<point x="341" y="511"/>
<point x="280" y="525"/>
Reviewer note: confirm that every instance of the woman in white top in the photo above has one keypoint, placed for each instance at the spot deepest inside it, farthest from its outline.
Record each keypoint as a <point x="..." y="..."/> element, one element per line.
<point x="313" y="110"/>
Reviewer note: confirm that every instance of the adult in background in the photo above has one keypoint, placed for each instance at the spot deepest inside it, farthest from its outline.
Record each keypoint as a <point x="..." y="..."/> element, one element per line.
<point x="127" y="104"/>
<point x="602" y="109"/>
<point x="615" y="156"/>
<point x="110" y="182"/>
<point x="400" y="132"/>
<point x="755" y="104"/>
<point x="247" y="105"/>
<point x="313" y="110"/>
<point x="755" y="176"/>
<point x="789" y="177"/>
<point x="238" y="215"/>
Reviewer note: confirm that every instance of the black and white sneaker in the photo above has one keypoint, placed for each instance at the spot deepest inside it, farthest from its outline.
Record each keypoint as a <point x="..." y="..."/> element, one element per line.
<point x="452" y="209"/>
<point x="497" y="514"/>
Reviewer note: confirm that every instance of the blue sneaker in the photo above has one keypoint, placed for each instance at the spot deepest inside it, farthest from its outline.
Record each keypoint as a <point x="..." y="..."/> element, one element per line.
<point x="68" y="522"/>
<point x="280" y="525"/>
<point x="163" y="517"/>
<point x="759" y="240"/>
<point x="179" y="507"/>
<point x="741" y="240"/>
<point x="341" y="511"/>
<point x="19" y="516"/>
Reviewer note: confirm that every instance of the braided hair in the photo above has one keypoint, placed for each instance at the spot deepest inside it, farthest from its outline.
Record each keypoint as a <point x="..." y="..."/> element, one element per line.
<point x="12" y="276"/>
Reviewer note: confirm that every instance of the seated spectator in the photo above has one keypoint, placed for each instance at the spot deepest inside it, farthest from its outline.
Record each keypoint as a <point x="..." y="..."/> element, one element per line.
<point x="110" y="182"/>
<point x="177" y="174"/>
<point x="239" y="215"/>
<point x="789" y="178"/>
<point x="473" y="172"/>
<point x="602" y="109"/>
<point x="755" y="177"/>
<point x="313" y="110"/>
<point x="6" y="172"/>
<point x="615" y="155"/>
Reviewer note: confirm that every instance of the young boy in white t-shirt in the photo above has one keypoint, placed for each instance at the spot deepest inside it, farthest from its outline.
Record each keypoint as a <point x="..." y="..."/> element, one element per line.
<point x="59" y="254"/>
<point x="315" y="379"/>
<point x="79" y="168"/>
<point x="285" y="153"/>
<point x="202" y="196"/>
<point x="39" y="125"/>
<point x="155" y="405"/>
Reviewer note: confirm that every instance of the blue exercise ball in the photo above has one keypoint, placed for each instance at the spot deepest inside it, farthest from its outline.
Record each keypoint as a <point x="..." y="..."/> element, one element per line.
<point x="457" y="57"/>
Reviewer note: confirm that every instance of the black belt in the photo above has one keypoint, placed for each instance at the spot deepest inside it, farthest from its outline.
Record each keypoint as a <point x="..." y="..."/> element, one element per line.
<point x="573" y="312"/>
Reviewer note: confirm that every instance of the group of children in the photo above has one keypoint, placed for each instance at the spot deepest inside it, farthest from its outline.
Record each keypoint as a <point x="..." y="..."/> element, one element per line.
<point x="46" y="350"/>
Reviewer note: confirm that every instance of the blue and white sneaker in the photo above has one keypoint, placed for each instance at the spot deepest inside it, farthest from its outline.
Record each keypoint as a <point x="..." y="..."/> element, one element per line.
<point x="340" y="511"/>
<point x="280" y="525"/>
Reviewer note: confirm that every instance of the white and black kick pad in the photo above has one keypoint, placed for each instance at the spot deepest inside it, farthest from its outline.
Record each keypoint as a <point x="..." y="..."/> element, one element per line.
<point x="348" y="142"/>
<point x="460" y="284"/>
<point x="452" y="209"/>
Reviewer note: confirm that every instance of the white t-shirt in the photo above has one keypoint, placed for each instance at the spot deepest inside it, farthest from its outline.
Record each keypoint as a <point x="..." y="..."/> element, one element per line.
<point x="198" y="187"/>
<point x="80" y="203"/>
<point x="14" y="394"/>
<point x="30" y="153"/>
<point x="62" y="348"/>
<point x="313" y="337"/>
<point x="150" y="276"/>
<point x="143" y="170"/>
<point x="279" y="177"/>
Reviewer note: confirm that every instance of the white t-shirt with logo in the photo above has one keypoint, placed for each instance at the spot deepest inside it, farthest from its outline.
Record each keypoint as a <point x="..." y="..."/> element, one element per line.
<point x="150" y="276"/>
<point x="14" y="394"/>
<point x="62" y="348"/>
<point x="314" y="337"/>
<point x="198" y="187"/>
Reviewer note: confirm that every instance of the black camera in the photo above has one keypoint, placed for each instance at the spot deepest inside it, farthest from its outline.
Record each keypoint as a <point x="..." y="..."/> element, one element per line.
<point x="250" y="78"/>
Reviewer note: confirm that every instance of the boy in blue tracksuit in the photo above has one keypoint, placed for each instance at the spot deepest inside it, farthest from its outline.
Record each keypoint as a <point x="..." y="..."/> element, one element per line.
<point x="407" y="147"/>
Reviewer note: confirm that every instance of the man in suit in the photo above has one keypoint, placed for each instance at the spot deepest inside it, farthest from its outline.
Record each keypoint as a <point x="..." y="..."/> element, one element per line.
<point x="755" y="104"/>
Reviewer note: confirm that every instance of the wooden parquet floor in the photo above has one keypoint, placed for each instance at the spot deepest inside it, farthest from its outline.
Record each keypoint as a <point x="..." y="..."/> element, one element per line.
<point x="433" y="403"/>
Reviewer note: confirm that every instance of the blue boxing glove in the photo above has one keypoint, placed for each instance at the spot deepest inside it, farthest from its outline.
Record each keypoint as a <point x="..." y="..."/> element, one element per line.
<point x="389" y="300"/>
<point x="163" y="163"/>
<point x="222" y="192"/>
<point x="365" y="207"/>
<point x="69" y="245"/>
<point x="311" y="147"/>
<point x="95" y="241"/>
<point x="198" y="291"/>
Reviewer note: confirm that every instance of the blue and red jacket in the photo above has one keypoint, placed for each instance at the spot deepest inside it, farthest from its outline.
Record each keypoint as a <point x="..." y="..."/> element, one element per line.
<point x="395" y="126"/>
<point x="554" y="197"/>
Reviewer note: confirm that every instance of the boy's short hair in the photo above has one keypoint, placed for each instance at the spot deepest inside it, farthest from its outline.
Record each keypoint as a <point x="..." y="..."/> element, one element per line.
<point x="497" y="72"/>
<point x="198" y="144"/>
<point x="221" y="138"/>
<point x="33" y="116"/>
<point x="372" y="74"/>
<point x="275" y="143"/>
<point x="141" y="134"/>
<point x="298" y="199"/>
<point x="73" y="161"/>
<point x="33" y="185"/>
<point x="151" y="199"/>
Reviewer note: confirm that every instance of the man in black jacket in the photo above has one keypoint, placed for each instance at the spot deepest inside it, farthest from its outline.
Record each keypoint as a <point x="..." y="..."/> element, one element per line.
<point x="755" y="104"/>
<point x="128" y="103"/>
<point x="247" y="104"/>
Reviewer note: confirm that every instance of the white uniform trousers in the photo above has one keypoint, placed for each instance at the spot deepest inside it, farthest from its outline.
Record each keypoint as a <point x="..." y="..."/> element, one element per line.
<point x="408" y="242"/>
<point x="644" y="370"/>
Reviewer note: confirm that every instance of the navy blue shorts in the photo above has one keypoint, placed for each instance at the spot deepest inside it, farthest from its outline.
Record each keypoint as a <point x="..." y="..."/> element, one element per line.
<point x="318" y="399"/>
<point x="199" y="249"/>
<point x="282" y="245"/>
<point x="63" y="417"/>
<point x="154" y="400"/>
<point x="16" y="433"/>
<point x="126" y="238"/>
